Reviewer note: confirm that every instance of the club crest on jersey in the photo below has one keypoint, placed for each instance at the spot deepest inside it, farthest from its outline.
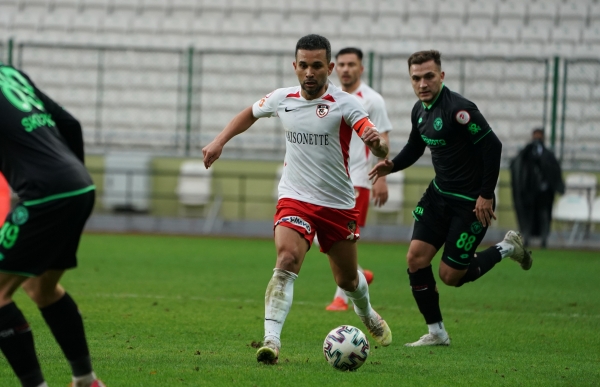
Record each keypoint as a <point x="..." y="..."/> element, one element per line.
<point x="322" y="110"/>
<point x="463" y="117"/>
<point x="298" y="221"/>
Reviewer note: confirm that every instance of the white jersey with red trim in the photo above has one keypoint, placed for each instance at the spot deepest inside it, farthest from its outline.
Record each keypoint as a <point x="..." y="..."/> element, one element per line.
<point x="317" y="143"/>
<point x="359" y="153"/>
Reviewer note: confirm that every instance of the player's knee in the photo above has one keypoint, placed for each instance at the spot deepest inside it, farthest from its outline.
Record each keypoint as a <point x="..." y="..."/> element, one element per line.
<point x="449" y="279"/>
<point x="416" y="260"/>
<point x="42" y="296"/>
<point x="288" y="260"/>
<point x="347" y="283"/>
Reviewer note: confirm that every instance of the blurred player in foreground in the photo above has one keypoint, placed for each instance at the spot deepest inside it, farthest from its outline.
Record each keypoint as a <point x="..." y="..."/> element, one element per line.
<point x="41" y="155"/>
<point x="349" y="69"/>
<point x="4" y="198"/>
<point x="315" y="191"/>
<point x="458" y="206"/>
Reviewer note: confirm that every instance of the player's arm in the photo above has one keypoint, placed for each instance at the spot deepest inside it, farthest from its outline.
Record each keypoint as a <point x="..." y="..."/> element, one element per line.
<point x="371" y="137"/>
<point x="265" y="107"/>
<point x="412" y="151"/>
<point x="490" y="148"/>
<point x="380" y="189"/>
<point x="239" y="124"/>
<point x="67" y="125"/>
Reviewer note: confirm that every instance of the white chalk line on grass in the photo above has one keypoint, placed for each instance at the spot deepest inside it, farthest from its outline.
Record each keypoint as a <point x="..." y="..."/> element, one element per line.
<point x="319" y="305"/>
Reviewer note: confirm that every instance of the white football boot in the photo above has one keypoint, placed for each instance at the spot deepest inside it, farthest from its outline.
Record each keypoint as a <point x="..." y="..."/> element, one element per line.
<point x="520" y="254"/>
<point x="431" y="339"/>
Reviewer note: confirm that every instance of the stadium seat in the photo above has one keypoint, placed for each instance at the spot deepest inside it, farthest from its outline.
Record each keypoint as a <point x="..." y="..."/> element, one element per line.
<point x="511" y="13"/>
<point x="452" y="12"/>
<point x="574" y="209"/>
<point x="481" y="12"/>
<point x="542" y="14"/>
<point x="362" y="8"/>
<point x="537" y="34"/>
<point x="572" y="13"/>
<point x="333" y="8"/>
<point x="474" y="33"/>
<point x="582" y="184"/>
<point x="443" y="33"/>
<point x="421" y="12"/>
<point x="504" y="33"/>
<point x="566" y="34"/>
<point x="392" y="8"/>
<point x="595" y="217"/>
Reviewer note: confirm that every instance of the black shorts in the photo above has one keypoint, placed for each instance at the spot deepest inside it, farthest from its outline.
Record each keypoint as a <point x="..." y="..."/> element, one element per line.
<point x="440" y="219"/>
<point x="45" y="236"/>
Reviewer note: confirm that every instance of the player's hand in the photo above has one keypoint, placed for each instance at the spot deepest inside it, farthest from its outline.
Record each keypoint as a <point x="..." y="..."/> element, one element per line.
<point x="381" y="169"/>
<point x="484" y="211"/>
<point x="371" y="137"/>
<point x="211" y="153"/>
<point x="380" y="192"/>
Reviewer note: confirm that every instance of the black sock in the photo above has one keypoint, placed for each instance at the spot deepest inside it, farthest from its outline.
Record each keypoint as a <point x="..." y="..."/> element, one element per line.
<point x="481" y="264"/>
<point x="425" y="293"/>
<point x="66" y="325"/>
<point x="16" y="342"/>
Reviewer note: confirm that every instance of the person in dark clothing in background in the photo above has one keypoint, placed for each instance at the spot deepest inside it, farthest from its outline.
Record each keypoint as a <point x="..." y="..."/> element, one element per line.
<point x="536" y="177"/>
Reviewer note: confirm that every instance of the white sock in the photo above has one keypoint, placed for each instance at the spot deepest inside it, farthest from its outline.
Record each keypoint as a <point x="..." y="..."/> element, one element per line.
<point x="360" y="297"/>
<point x="278" y="301"/>
<point x="43" y="385"/>
<point x="339" y="292"/>
<point x="437" y="328"/>
<point x="505" y="249"/>
<point x="84" y="380"/>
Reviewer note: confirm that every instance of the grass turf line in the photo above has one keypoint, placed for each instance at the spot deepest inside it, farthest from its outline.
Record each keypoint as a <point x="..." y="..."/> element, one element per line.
<point x="180" y="311"/>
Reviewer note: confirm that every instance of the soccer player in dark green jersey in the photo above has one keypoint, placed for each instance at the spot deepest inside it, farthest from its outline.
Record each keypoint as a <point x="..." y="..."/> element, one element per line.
<point x="41" y="156"/>
<point x="458" y="206"/>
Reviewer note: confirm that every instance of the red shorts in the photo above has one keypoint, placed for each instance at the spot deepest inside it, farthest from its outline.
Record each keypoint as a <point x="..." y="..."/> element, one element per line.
<point x="333" y="225"/>
<point x="362" y="196"/>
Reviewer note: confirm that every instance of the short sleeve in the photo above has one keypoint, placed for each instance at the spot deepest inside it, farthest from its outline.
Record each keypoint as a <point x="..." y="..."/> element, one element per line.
<point x="378" y="115"/>
<point x="267" y="105"/>
<point x="355" y="114"/>
<point x="470" y="118"/>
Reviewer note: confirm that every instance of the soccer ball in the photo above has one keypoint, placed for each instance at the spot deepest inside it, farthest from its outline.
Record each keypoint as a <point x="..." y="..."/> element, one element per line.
<point x="346" y="348"/>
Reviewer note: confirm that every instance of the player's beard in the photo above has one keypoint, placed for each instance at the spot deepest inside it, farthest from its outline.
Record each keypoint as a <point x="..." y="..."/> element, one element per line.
<point x="316" y="90"/>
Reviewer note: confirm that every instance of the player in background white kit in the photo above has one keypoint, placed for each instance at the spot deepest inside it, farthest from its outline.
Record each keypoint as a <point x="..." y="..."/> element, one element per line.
<point x="315" y="191"/>
<point x="349" y="69"/>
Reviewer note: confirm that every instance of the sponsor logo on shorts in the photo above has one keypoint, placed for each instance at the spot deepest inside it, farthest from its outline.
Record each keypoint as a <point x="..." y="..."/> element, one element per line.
<point x="463" y="117"/>
<point x="1" y="256"/>
<point x="437" y="124"/>
<point x="463" y="256"/>
<point x="20" y="215"/>
<point x="476" y="227"/>
<point x="322" y="110"/>
<point x="298" y="221"/>
<point x="352" y="226"/>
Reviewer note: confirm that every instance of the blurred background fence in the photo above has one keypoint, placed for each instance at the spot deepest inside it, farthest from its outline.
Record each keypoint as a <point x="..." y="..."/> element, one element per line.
<point x="174" y="101"/>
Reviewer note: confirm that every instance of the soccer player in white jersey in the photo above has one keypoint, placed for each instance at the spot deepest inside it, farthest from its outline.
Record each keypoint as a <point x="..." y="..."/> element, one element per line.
<point x="349" y="69"/>
<point x="315" y="191"/>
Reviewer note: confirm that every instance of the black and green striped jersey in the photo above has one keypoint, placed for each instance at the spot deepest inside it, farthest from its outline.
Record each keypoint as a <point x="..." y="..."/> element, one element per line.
<point x="465" y="151"/>
<point x="41" y="144"/>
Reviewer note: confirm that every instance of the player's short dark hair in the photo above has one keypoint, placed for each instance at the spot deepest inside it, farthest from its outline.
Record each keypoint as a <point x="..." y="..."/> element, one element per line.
<point x="314" y="42"/>
<point x="350" y="50"/>
<point x="421" y="57"/>
<point x="538" y="130"/>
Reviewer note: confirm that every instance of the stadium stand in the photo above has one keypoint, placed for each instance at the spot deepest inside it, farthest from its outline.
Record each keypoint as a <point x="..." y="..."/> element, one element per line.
<point x="128" y="62"/>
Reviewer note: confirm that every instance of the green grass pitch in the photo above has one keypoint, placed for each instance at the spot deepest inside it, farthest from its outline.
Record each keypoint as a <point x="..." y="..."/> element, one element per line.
<point x="183" y="311"/>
